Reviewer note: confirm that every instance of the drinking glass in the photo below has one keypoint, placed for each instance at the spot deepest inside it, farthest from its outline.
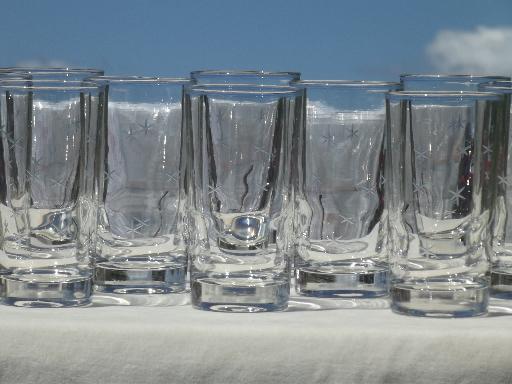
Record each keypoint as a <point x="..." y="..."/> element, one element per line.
<point x="48" y="134"/>
<point x="501" y="256"/>
<point x="140" y="245"/>
<point x="340" y="215"/>
<point x="54" y="73"/>
<point x="241" y="211"/>
<point x="440" y="190"/>
<point x="438" y="82"/>
<point x="243" y="77"/>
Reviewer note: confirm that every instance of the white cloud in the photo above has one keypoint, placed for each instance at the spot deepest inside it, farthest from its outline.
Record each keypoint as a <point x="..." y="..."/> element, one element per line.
<point x="485" y="50"/>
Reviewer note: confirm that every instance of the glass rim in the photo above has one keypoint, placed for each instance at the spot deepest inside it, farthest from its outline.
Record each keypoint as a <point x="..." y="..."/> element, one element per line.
<point x="138" y="79"/>
<point x="47" y="85"/>
<point x="497" y="87"/>
<point x="453" y="95"/>
<point x="44" y="70"/>
<point x="448" y="76"/>
<point x="345" y="84"/>
<point x="243" y="72"/>
<point x="243" y="89"/>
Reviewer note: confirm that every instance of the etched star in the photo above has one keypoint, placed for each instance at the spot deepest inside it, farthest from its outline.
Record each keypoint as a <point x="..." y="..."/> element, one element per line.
<point x="425" y="251"/>
<point x="486" y="150"/>
<point x="422" y="154"/>
<point x="109" y="175"/>
<point x="173" y="177"/>
<point x="146" y="126"/>
<point x="457" y="195"/>
<point x="13" y="143"/>
<point x="457" y="124"/>
<point x="328" y="138"/>
<point x="503" y="181"/>
<point x="345" y="220"/>
<point x="353" y="133"/>
<point x="261" y="150"/>
<point x="56" y="182"/>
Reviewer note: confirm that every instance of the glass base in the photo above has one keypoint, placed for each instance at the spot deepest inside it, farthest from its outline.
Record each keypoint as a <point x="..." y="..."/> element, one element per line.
<point x="501" y="283"/>
<point x="343" y="281"/>
<point x="139" y="277"/>
<point x="240" y="295"/>
<point x="440" y="298"/>
<point x="47" y="287"/>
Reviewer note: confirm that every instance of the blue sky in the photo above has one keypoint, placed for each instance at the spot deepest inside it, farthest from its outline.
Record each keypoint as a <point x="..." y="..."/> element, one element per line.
<point x="322" y="39"/>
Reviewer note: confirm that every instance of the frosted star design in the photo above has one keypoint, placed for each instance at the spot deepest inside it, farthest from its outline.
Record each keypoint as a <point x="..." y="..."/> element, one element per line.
<point x="141" y="222"/>
<point x="417" y="187"/>
<point x="56" y="183"/>
<point x="14" y="143"/>
<point x="328" y="138"/>
<point x="109" y="175"/>
<point x="353" y="133"/>
<point x="486" y="150"/>
<point x="345" y="220"/>
<point x="133" y="229"/>
<point x="36" y="163"/>
<point x="145" y="126"/>
<point x="422" y="154"/>
<point x="382" y="180"/>
<point x="503" y="181"/>
<point x="173" y="177"/>
<point x="425" y="251"/>
<point x="261" y="150"/>
<point x="457" y="124"/>
<point x="457" y="195"/>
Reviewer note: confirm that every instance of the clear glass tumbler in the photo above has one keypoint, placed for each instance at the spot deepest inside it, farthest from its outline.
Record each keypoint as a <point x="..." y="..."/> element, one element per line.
<point x="48" y="135"/>
<point x="501" y="257"/>
<point x="340" y="215"/>
<point x="440" y="191"/>
<point x="440" y="82"/>
<point x="241" y="211"/>
<point x="140" y="245"/>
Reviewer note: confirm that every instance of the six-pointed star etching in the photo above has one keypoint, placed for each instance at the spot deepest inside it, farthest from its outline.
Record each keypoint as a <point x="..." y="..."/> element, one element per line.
<point x="457" y="195"/>
<point x="422" y="154"/>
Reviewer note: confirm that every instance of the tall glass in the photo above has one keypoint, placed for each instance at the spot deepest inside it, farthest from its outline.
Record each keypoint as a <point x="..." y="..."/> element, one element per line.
<point x="438" y="82"/>
<point x="241" y="212"/>
<point x="54" y="73"/>
<point x="243" y="77"/>
<point x="440" y="175"/>
<point x="140" y="230"/>
<point x="48" y="135"/>
<point x="340" y="215"/>
<point x="501" y="270"/>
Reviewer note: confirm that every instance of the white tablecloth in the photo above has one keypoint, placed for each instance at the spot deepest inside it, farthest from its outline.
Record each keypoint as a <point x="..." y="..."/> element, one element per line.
<point x="315" y="341"/>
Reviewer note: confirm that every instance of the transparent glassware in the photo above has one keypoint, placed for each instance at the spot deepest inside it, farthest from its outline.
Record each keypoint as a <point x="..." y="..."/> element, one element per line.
<point x="54" y="73"/>
<point x="243" y="77"/>
<point x="241" y="210"/>
<point x="339" y="190"/>
<point x="140" y="247"/>
<point x="501" y="256"/>
<point x="442" y="82"/>
<point x="48" y="135"/>
<point x="440" y="191"/>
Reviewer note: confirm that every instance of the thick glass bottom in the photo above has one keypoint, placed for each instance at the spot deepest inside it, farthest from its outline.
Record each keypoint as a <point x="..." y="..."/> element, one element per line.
<point x="47" y="287"/>
<point x="240" y="294"/>
<point x="501" y="283"/>
<point x="440" y="298"/>
<point x="343" y="281"/>
<point x="137" y="275"/>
